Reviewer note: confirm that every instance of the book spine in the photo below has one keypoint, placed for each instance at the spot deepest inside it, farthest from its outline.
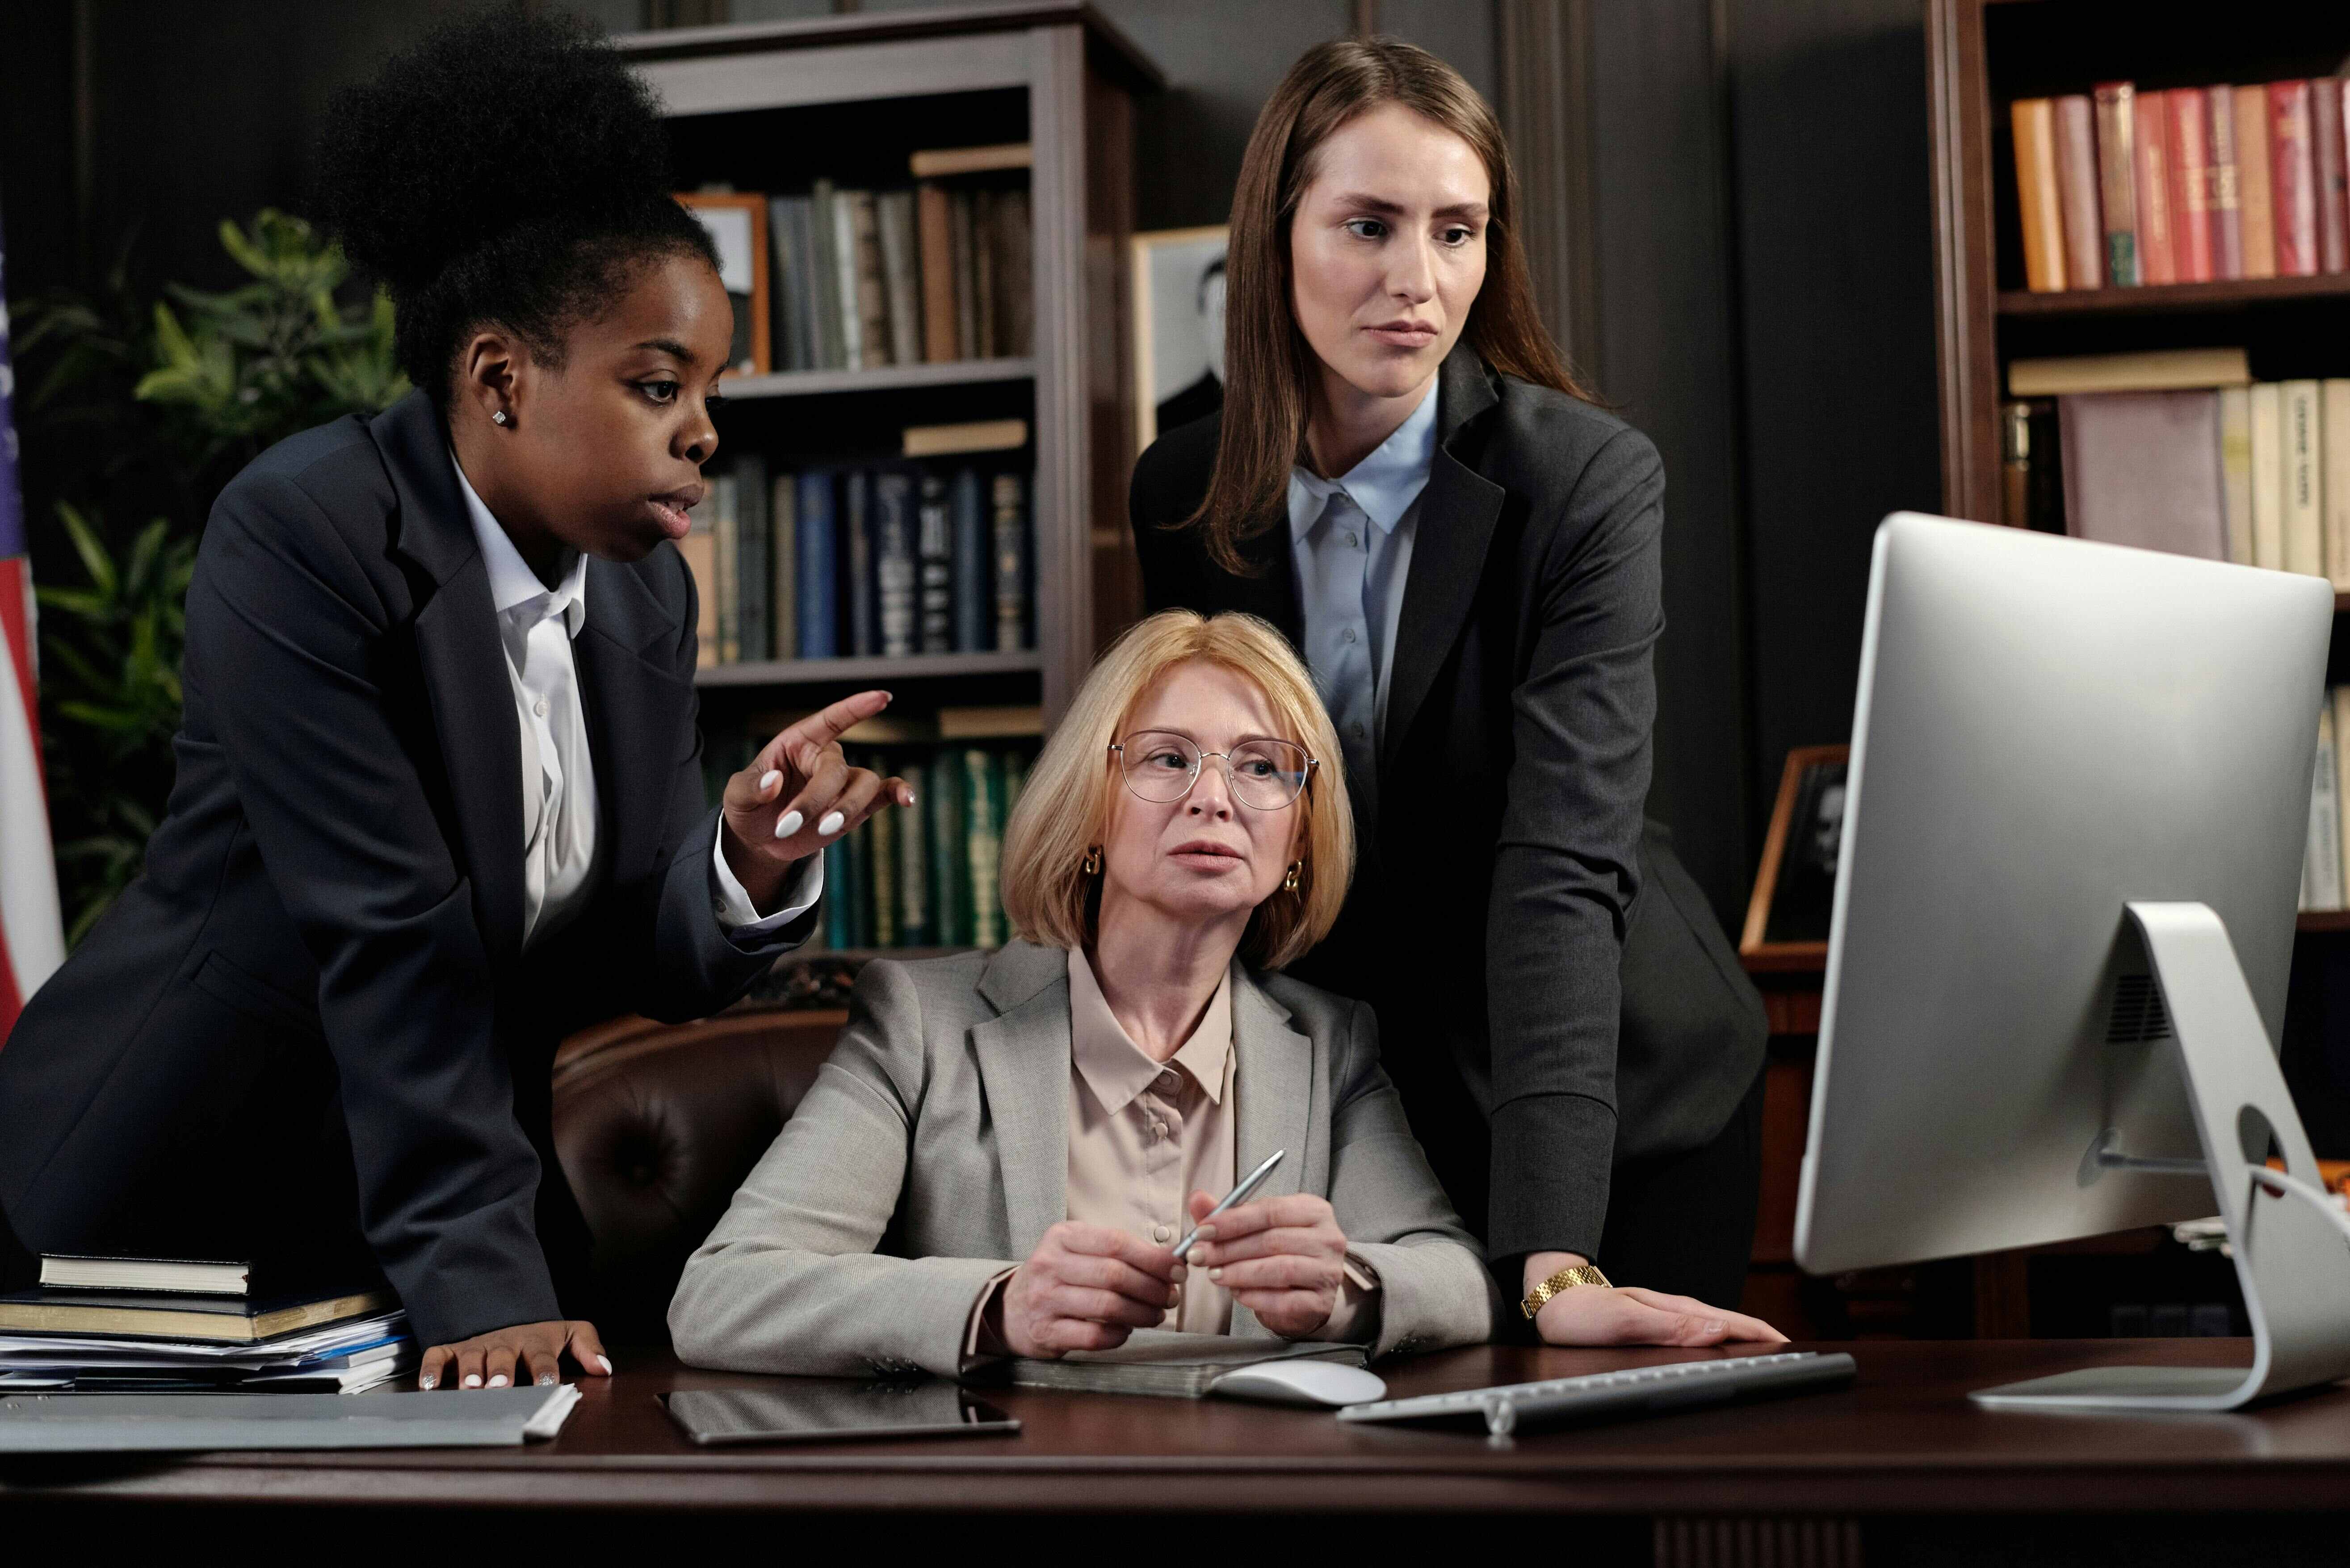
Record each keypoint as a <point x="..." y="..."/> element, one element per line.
<point x="860" y="636"/>
<point x="2033" y="120"/>
<point x="1010" y="505"/>
<point x="2252" y="181"/>
<point x="754" y="576"/>
<point x="824" y="277"/>
<point x="974" y="579"/>
<point x="816" y="565"/>
<point x="2047" y="468"/>
<point x="782" y="285"/>
<point x="2304" y="538"/>
<point x="2150" y="143"/>
<point x="950" y="855"/>
<point x="966" y="275"/>
<point x="884" y="880"/>
<point x="860" y="876"/>
<point x="727" y="526"/>
<point x="2321" y="863"/>
<point x="2076" y="192"/>
<point x="784" y="560"/>
<point x="983" y="840"/>
<point x="915" y="906"/>
<point x="2333" y="198"/>
<point x="895" y="558"/>
<point x="2117" y="180"/>
<point x="936" y="542"/>
<point x="700" y="550"/>
<point x="2293" y="179"/>
<point x="2236" y="471"/>
<point x="1015" y="284"/>
<point x="937" y="241"/>
<point x="2333" y="478"/>
<point x="2190" y="184"/>
<point x="872" y="289"/>
<point x="2227" y="200"/>
<point x="2267" y="407"/>
<point x="839" y="908"/>
<point x="855" y="352"/>
<point x="2015" y="464"/>
<point x="984" y="311"/>
<point x="901" y="268"/>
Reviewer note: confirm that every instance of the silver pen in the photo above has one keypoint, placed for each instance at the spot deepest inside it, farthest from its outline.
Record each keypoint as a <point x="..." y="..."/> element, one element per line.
<point x="1239" y="1194"/>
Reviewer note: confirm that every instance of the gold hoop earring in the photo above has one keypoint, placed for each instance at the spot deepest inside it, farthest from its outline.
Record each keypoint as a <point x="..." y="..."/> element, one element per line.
<point x="1289" y="883"/>
<point x="1092" y="864"/>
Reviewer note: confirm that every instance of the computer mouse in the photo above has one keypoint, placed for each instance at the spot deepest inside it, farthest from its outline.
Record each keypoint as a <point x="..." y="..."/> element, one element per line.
<point x="1325" y="1383"/>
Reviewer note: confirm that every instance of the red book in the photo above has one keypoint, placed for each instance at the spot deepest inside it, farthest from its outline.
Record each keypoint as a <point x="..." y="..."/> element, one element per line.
<point x="2190" y="184"/>
<point x="2226" y="212"/>
<point x="2332" y="209"/>
<point x="2150" y="143"/>
<point x="2292" y="179"/>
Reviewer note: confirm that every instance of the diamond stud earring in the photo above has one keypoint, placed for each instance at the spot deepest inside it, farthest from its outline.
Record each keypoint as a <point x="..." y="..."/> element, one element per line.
<point x="498" y="418"/>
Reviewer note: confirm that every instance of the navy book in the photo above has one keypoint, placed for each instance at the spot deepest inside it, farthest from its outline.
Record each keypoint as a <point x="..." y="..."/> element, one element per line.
<point x="974" y="606"/>
<point x="815" y="547"/>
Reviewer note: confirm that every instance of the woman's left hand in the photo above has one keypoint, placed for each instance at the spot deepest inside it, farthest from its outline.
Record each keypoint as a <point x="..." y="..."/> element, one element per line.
<point x="1627" y="1315"/>
<point x="1282" y="1258"/>
<point x="799" y="793"/>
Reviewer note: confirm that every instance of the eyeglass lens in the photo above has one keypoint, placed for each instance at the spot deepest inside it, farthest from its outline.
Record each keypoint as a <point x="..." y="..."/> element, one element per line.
<point x="1265" y="775"/>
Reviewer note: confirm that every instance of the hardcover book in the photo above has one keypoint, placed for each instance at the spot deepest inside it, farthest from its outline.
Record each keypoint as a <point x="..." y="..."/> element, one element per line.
<point x="2117" y="179"/>
<point x="2150" y="141"/>
<point x="2333" y="201"/>
<point x="935" y="541"/>
<point x="2190" y="184"/>
<point x="816" y="525"/>
<point x="2304" y="538"/>
<point x="753" y="574"/>
<point x="1010" y="504"/>
<point x="2227" y="211"/>
<point x="2293" y="179"/>
<point x="2251" y="106"/>
<point x="896" y="558"/>
<point x="973" y="582"/>
<point x="2143" y="468"/>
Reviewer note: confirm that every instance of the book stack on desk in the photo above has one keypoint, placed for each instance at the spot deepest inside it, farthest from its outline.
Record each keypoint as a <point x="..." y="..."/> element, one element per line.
<point x="151" y="1323"/>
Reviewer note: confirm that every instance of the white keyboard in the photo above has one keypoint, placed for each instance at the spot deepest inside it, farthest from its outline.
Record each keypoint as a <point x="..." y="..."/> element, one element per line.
<point x="1636" y="1391"/>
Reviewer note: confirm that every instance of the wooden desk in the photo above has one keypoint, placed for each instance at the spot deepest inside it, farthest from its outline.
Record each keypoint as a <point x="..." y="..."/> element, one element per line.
<point x="1900" y="1452"/>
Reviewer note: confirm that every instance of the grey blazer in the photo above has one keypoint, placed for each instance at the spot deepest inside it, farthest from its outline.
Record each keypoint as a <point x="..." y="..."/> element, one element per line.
<point x="939" y="1130"/>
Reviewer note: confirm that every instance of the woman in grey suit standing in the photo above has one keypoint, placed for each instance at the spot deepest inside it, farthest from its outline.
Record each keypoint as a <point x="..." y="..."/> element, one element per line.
<point x="1037" y="1126"/>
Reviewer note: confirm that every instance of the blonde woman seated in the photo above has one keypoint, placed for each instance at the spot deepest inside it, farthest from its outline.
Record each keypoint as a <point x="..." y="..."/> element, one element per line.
<point x="1036" y="1128"/>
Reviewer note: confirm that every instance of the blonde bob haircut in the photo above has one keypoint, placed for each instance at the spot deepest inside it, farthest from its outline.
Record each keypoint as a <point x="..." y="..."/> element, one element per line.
<point x="1064" y="810"/>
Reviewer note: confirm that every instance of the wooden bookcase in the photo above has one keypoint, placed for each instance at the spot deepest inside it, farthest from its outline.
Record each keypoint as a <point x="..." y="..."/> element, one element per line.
<point x="771" y="106"/>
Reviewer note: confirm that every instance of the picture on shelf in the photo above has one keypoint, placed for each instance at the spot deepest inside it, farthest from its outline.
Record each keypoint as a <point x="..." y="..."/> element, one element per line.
<point x="738" y="226"/>
<point x="1794" y="892"/>
<point x="1178" y="329"/>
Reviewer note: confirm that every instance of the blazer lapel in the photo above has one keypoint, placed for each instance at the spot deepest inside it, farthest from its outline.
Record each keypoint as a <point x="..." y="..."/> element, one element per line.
<point x="1274" y="1080"/>
<point x="632" y="698"/>
<point x="1457" y="514"/>
<point x="1024" y="1063"/>
<point x="464" y="664"/>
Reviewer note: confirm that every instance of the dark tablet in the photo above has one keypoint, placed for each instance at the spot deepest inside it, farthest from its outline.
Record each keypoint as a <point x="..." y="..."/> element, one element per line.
<point x="832" y="1410"/>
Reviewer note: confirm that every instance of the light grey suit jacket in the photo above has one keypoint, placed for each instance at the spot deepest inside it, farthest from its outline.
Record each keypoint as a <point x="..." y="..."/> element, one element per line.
<point x="932" y="1154"/>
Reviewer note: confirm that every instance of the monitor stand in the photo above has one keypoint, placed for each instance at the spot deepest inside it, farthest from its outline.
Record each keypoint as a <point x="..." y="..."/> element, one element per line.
<point x="2292" y="1243"/>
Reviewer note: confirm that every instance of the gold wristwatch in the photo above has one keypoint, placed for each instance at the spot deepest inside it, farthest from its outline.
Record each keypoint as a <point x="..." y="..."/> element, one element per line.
<point x="1565" y="1280"/>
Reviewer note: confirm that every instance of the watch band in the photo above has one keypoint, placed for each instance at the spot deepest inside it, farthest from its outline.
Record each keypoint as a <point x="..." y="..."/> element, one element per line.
<point x="1565" y="1280"/>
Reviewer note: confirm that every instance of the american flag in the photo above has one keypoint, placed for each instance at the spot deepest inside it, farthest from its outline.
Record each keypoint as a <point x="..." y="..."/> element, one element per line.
<point x="32" y="936"/>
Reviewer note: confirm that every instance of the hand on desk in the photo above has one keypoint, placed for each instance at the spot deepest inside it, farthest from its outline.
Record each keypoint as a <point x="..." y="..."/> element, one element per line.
<point x="1087" y="1287"/>
<point x="799" y="793"/>
<point x="532" y="1351"/>
<point x="1627" y="1315"/>
<point x="1282" y="1258"/>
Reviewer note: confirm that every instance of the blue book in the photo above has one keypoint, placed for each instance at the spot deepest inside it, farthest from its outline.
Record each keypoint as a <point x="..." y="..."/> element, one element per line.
<point x="974" y="600"/>
<point x="839" y="897"/>
<point x="815" y="546"/>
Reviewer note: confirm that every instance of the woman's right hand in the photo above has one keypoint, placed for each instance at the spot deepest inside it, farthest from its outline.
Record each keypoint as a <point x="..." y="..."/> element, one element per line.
<point x="1087" y="1287"/>
<point x="1627" y="1315"/>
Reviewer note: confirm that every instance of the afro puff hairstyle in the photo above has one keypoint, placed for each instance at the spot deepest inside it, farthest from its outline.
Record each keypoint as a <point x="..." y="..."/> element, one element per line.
<point x="508" y="169"/>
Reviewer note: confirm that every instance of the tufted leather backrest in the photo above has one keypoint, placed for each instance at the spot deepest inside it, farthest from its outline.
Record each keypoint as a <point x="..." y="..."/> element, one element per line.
<point x="658" y="1124"/>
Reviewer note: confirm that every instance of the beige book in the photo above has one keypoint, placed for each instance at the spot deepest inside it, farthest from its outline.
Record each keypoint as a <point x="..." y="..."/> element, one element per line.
<point x="2268" y="475"/>
<point x="2162" y="370"/>
<point x="2304" y="533"/>
<point x="2236" y="471"/>
<point x="2252" y="182"/>
<point x="2333" y="478"/>
<point x="2034" y="122"/>
<point x="990" y="723"/>
<point x="933" y="162"/>
<point x="980" y="435"/>
<point x="700" y="551"/>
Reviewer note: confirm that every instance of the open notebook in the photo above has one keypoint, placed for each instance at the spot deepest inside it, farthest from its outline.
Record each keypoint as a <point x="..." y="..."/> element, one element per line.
<point x="1162" y="1362"/>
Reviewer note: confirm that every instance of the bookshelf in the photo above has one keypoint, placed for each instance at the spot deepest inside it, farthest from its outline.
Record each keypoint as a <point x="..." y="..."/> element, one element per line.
<point x="770" y="106"/>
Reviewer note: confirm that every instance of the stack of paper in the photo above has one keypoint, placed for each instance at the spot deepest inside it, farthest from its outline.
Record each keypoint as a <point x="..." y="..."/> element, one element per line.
<point x="345" y="1357"/>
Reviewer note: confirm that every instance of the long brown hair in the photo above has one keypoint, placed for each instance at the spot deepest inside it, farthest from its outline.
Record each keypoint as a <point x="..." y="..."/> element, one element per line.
<point x="1268" y="364"/>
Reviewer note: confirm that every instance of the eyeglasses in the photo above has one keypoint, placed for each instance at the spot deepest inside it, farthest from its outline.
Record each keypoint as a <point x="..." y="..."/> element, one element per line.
<point x="1161" y="767"/>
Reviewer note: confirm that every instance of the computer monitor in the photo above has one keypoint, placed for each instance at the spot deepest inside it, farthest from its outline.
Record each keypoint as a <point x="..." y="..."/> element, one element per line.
<point x="2075" y="809"/>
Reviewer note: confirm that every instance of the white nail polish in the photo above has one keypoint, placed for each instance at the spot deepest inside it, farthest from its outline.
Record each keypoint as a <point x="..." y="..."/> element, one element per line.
<point x="830" y="824"/>
<point x="606" y="1362"/>
<point x="789" y="823"/>
<point x="473" y="1380"/>
<point x="499" y="1381"/>
<point x="774" y="776"/>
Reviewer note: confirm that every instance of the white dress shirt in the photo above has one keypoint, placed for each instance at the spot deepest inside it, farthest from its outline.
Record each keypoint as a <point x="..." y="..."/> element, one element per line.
<point x="536" y="626"/>
<point x="1350" y="540"/>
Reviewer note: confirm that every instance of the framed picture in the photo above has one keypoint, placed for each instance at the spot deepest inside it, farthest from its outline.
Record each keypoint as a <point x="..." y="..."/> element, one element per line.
<point x="1794" y="889"/>
<point x="738" y="224"/>
<point x="1178" y="329"/>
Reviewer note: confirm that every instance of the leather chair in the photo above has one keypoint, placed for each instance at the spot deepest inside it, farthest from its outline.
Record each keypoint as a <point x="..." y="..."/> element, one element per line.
<point x="658" y="1124"/>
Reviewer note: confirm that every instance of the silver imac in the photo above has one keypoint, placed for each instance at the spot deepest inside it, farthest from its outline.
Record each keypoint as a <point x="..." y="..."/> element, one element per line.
<point x="2064" y="915"/>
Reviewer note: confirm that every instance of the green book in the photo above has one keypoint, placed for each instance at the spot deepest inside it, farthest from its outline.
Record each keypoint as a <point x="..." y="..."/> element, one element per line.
<point x="885" y="878"/>
<point x="982" y="796"/>
<point x="915" y="928"/>
<point x="949" y="863"/>
<point x="861" y="888"/>
<point x="839" y="905"/>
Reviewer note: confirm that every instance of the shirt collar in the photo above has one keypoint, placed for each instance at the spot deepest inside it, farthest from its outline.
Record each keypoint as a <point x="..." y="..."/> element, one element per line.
<point x="513" y="584"/>
<point x="1115" y="1068"/>
<point x="1384" y="484"/>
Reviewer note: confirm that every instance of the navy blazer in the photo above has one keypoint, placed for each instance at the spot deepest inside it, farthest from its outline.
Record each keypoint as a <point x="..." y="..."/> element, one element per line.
<point x="342" y="865"/>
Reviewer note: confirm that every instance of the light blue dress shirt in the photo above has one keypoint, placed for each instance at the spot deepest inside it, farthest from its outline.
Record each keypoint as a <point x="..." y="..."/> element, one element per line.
<point x="1350" y="541"/>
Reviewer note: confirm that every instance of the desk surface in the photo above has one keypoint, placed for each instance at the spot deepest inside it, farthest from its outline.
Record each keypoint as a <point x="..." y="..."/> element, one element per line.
<point x="1902" y="1440"/>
